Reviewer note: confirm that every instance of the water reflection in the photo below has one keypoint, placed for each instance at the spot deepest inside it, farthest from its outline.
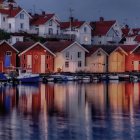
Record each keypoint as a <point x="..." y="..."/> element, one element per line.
<point x="70" y="111"/>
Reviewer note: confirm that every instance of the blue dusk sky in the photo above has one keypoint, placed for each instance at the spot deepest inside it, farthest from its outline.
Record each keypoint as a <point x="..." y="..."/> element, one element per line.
<point x="125" y="11"/>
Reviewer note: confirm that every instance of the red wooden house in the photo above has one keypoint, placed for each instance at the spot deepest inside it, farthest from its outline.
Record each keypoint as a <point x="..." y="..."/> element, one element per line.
<point x="35" y="57"/>
<point x="132" y="60"/>
<point x="7" y="52"/>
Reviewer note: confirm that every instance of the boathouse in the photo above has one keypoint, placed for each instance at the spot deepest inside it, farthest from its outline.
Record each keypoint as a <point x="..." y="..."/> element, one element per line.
<point x="70" y="56"/>
<point x="96" y="59"/>
<point x="7" y="56"/>
<point x="35" y="57"/>
<point x="116" y="58"/>
<point x="132" y="62"/>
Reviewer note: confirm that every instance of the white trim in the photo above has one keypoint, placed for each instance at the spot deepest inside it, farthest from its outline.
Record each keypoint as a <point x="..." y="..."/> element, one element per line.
<point x="86" y="23"/>
<point x="120" y="49"/>
<point x="37" y="43"/>
<point x="101" y="50"/>
<point x="4" y="41"/>
<point x="22" y="11"/>
<point x="78" y="45"/>
<point x="49" y="20"/>
<point x="135" y="49"/>
<point x="111" y="27"/>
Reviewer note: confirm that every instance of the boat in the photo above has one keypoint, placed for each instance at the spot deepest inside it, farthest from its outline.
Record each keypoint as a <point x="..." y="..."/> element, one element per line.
<point x="113" y="77"/>
<point x="124" y="77"/>
<point x="86" y="79"/>
<point x="134" y="78"/>
<point x="3" y="78"/>
<point x="28" y="77"/>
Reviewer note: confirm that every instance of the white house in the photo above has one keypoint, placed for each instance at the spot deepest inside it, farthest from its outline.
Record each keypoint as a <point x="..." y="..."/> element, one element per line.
<point x="80" y="29"/>
<point x="105" y="32"/>
<point x="70" y="56"/>
<point x="13" y="18"/>
<point x="45" y="24"/>
<point x="16" y="38"/>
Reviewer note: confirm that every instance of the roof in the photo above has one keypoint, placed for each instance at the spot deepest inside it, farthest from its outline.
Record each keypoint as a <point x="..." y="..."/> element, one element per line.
<point x="57" y="46"/>
<point x="125" y="31"/>
<point x="101" y="27"/>
<point x="128" y="48"/>
<point x="11" y="12"/>
<point x="41" y="19"/>
<point x="92" y="49"/>
<point x="137" y="38"/>
<point x="74" y="24"/>
<point x="22" y="46"/>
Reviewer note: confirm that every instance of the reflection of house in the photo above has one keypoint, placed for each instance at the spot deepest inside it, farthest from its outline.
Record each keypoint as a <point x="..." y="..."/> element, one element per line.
<point x="96" y="96"/>
<point x="96" y="59"/>
<point x="70" y="56"/>
<point x="35" y="57"/>
<point x="105" y="32"/>
<point x="7" y="56"/>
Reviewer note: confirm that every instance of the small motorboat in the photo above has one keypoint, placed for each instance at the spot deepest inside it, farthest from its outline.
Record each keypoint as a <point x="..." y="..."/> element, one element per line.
<point x="86" y="79"/>
<point x="28" y="77"/>
<point x="113" y="77"/>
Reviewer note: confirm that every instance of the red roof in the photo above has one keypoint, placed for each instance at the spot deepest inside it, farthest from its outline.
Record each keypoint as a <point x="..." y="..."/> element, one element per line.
<point x="137" y="38"/>
<point x="22" y="46"/>
<point x="10" y="12"/>
<point x="125" y="31"/>
<point x="101" y="27"/>
<point x="136" y="31"/>
<point x="128" y="48"/>
<point x="74" y="24"/>
<point x="57" y="46"/>
<point x="41" y="19"/>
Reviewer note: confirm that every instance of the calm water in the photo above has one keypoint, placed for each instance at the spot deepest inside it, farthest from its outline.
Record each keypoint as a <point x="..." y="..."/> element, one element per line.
<point x="70" y="111"/>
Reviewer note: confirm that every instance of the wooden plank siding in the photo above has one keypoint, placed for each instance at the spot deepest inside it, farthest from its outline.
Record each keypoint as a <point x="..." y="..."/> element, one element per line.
<point x="35" y="54"/>
<point x="4" y="47"/>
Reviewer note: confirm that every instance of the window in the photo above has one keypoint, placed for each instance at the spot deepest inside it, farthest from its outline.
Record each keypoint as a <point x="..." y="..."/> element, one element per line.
<point x="67" y="64"/>
<point x="79" y="64"/>
<point x="4" y="19"/>
<point x="67" y="54"/>
<point x="50" y="31"/>
<point x="21" y="26"/>
<point x="9" y="53"/>
<point x="86" y="39"/>
<point x="24" y="57"/>
<point x="47" y="56"/>
<point x="79" y="54"/>
<point x="132" y="62"/>
<point x="9" y="25"/>
<point x="47" y="66"/>
<point x="50" y="23"/>
<point x="17" y="39"/>
<point x="85" y="29"/>
<point x="21" y="16"/>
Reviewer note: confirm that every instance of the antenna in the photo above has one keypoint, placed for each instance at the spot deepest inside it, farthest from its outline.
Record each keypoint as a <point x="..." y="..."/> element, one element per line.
<point x="34" y="8"/>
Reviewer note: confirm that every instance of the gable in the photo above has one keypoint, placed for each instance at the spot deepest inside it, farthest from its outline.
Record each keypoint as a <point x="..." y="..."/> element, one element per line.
<point x="75" y="45"/>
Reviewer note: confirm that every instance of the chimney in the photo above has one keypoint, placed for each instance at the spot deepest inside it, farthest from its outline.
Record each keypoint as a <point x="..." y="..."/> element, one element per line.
<point x="43" y="13"/>
<point x="71" y="19"/>
<point x="101" y="18"/>
<point x="10" y="6"/>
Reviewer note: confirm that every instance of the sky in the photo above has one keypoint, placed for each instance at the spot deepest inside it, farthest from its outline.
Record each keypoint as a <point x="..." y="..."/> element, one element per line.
<point x="125" y="11"/>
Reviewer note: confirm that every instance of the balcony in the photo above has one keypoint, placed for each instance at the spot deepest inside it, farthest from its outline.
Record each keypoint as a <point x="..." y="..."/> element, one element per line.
<point x="61" y="36"/>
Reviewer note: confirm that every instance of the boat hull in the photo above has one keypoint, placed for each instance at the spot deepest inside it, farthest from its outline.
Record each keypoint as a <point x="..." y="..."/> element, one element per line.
<point x="29" y="79"/>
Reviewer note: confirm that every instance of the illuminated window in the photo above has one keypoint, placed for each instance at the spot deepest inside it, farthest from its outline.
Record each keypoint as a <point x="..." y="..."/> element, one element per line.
<point x="86" y="39"/>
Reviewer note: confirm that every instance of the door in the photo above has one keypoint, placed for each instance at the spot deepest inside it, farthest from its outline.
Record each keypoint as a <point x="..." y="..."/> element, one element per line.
<point x="43" y="66"/>
<point x="136" y="65"/>
<point x="1" y="66"/>
<point x="29" y="61"/>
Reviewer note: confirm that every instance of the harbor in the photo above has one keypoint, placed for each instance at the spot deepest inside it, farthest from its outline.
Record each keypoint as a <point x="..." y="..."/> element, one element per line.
<point x="70" y="110"/>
